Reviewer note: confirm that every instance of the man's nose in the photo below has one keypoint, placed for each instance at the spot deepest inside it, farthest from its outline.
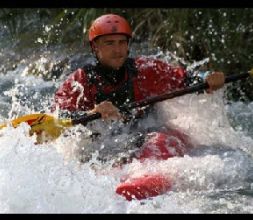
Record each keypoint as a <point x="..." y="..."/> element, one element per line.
<point x="117" y="48"/>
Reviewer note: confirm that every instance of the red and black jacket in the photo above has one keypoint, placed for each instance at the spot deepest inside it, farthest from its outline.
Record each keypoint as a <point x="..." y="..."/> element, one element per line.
<point x="141" y="78"/>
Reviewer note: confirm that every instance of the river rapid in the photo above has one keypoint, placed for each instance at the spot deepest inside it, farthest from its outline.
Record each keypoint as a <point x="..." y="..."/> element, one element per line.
<point x="214" y="177"/>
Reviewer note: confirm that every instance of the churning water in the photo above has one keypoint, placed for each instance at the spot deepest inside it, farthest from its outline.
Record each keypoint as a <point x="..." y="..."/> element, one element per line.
<point x="214" y="177"/>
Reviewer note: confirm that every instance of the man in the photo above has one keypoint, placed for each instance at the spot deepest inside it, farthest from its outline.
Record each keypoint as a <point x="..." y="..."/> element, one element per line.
<point x="116" y="80"/>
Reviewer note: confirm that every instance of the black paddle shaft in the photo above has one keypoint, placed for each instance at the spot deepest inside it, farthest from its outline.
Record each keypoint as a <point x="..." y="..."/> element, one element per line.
<point x="198" y="87"/>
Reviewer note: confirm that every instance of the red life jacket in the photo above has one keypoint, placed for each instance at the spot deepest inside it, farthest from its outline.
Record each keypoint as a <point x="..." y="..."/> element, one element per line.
<point x="119" y="94"/>
<point x="145" y="77"/>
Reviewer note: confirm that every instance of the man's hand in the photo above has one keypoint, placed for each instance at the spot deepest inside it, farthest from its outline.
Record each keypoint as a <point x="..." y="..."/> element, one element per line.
<point x="215" y="81"/>
<point x="107" y="111"/>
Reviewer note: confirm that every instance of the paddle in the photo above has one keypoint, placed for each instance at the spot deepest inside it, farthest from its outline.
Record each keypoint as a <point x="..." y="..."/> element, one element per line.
<point x="46" y="126"/>
<point x="49" y="127"/>
<point x="196" y="88"/>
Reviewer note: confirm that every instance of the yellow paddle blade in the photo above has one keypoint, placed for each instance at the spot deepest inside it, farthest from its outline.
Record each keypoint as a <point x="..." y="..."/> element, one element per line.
<point x="251" y="72"/>
<point x="45" y="126"/>
<point x="2" y="126"/>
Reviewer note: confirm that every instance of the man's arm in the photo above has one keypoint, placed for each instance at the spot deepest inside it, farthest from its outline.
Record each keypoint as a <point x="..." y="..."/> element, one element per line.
<point x="74" y="93"/>
<point x="214" y="79"/>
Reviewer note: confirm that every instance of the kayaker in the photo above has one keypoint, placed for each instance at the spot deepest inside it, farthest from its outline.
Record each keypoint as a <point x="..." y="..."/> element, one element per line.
<point x="115" y="79"/>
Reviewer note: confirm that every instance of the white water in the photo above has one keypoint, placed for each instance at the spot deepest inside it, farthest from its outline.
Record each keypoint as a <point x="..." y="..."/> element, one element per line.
<point x="215" y="177"/>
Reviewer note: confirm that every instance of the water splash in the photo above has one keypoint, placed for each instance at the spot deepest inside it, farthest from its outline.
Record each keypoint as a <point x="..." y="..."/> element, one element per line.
<point x="215" y="177"/>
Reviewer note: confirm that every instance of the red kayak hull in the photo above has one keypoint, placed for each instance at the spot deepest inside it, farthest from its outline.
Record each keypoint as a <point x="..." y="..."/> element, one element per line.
<point x="159" y="146"/>
<point x="144" y="187"/>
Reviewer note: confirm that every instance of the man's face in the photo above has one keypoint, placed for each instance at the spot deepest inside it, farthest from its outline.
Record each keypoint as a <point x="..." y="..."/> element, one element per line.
<point x="111" y="50"/>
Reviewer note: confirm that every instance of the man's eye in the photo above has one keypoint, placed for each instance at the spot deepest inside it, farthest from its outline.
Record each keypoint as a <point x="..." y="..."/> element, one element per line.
<point x="108" y="43"/>
<point x="123" y="42"/>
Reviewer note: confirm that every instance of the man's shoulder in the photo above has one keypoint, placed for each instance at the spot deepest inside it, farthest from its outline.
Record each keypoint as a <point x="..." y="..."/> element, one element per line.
<point x="82" y="65"/>
<point x="149" y="59"/>
<point x="150" y="62"/>
<point x="78" y="71"/>
<point x="78" y="75"/>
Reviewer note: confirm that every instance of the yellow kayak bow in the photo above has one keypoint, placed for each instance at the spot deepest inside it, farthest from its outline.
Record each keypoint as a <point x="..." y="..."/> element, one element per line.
<point x="45" y="125"/>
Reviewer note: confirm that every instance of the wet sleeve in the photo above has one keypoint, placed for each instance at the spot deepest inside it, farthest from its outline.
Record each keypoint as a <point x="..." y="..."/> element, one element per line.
<point x="158" y="77"/>
<point x="74" y="93"/>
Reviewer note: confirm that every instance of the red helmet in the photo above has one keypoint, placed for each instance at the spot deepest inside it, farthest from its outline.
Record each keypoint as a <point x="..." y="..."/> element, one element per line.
<point x="109" y="24"/>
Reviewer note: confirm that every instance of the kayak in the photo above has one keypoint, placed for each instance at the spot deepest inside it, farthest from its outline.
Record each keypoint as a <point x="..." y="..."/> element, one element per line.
<point x="159" y="146"/>
<point x="144" y="187"/>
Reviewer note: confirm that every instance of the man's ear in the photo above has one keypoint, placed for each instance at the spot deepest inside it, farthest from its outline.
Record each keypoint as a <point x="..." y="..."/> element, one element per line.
<point x="129" y="41"/>
<point x="93" y="47"/>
